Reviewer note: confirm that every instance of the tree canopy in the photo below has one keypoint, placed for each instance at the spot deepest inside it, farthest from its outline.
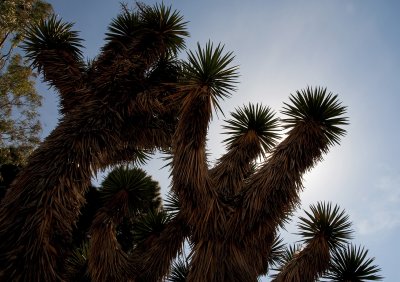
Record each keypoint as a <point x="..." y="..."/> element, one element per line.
<point x="19" y="101"/>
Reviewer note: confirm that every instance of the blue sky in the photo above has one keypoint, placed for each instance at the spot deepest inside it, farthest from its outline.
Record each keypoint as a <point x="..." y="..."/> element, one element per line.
<point x="350" y="47"/>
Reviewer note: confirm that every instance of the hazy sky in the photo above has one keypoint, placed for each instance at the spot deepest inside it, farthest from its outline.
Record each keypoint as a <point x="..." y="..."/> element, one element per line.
<point x="350" y="47"/>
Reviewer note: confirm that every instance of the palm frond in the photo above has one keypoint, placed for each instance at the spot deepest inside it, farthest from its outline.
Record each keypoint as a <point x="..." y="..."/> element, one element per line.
<point x="130" y="190"/>
<point x="330" y="223"/>
<point x="253" y="119"/>
<point x="350" y="263"/>
<point x="209" y="71"/>
<point x="51" y="34"/>
<point x="180" y="270"/>
<point x="318" y="106"/>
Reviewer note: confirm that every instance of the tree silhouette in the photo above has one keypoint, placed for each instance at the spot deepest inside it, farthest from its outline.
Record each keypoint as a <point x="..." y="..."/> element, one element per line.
<point x="134" y="98"/>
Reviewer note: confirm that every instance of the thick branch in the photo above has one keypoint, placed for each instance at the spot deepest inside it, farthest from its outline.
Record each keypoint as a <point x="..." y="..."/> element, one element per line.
<point x="307" y="265"/>
<point x="106" y="259"/>
<point x="233" y="167"/>
<point x="66" y="74"/>
<point x="191" y="181"/>
<point x="273" y="191"/>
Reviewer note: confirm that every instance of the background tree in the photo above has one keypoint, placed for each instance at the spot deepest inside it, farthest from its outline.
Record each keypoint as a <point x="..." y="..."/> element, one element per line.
<point x="19" y="100"/>
<point x="136" y="96"/>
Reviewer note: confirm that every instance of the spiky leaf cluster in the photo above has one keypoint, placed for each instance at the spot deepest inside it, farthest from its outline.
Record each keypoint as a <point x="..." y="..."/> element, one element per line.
<point x="279" y="254"/>
<point x="130" y="189"/>
<point x="76" y="265"/>
<point x="180" y="271"/>
<point x="255" y="119"/>
<point x="149" y="27"/>
<point x="208" y="71"/>
<point x="52" y="34"/>
<point x="327" y="222"/>
<point x="150" y="224"/>
<point x="351" y="264"/>
<point x="172" y="205"/>
<point x="317" y="106"/>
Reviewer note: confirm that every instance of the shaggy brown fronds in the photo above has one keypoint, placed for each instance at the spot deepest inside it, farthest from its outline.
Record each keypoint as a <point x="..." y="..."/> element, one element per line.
<point x="134" y="98"/>
<point x="101" y="130"/>
<point x="106" y="259"/>
<point x="253" y="132"/>
<point x="156" y="254"/>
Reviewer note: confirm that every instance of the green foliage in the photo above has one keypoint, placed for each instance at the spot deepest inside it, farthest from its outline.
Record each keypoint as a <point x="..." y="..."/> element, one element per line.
<point x="150" y="225"/>
<point x="76" y="265"/>
<point x="208" y="71"/>
<point x="327" y="222"/>
<point x="315" y="105"/>
<point x="49" y="35"/>
<point x="130" y="190"/>
<point x="16" y="15"/>
<point x="351" y="264"/>
<point x="19" y="102"/>
<point x="148" y="29"/>
<point x="256" y="118"/>
<point x="180" y="271"/>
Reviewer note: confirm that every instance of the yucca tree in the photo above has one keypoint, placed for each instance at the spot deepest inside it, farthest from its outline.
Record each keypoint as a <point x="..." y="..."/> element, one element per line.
<point x="125" y="194"/>
<point x="136" y="97"/>
<point x="234" y="212"/>
<point x="112" y="109"/>
<point x="324" y="253"/>
<point x="324" y="230"/>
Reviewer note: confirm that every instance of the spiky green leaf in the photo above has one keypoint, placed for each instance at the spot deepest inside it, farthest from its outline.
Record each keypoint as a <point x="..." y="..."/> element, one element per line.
<point x="351" y="264"/>
<point x="209" y="71"/>
<point x="317" y="106"/>
<point x="130" y="190"/>
<point x="51" y="34"/>
<point x="167" y="25"/>
<point x="323" y="220"/>
<point x="180" y="271"/>
<point x="253" y="118"/>
<point x="150" y="224"/>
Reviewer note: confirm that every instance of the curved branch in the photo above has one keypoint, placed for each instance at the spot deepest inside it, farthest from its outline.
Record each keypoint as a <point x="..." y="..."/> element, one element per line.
<point x="308" y="264"/>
